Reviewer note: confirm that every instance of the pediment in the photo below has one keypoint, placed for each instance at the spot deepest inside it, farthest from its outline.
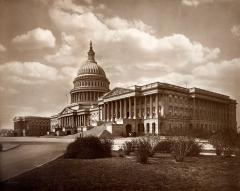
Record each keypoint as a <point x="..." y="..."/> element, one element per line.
<point x="116" y="92"/>
<point x="66" y="111"/>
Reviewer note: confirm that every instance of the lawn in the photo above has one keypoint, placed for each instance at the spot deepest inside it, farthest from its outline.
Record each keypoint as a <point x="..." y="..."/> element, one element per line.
<point x="161" y="173"/>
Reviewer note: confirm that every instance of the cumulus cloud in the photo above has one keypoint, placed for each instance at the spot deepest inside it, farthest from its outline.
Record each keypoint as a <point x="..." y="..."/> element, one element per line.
<point x="125" y="38"/>
<point x="236" y="30"/>
<point x="2" y="48"/>
<point x="195" y="3"/>
<point x="35" y="39"/>
<point x="191" y="3"/>
<point x="65" y="54"/>
<point x="28" y="71"/>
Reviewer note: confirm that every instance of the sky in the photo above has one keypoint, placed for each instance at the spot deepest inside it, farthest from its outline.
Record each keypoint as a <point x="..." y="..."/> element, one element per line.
<point x="43" y="43"/>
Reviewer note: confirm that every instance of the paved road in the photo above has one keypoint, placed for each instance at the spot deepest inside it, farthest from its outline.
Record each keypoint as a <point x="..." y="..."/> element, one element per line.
<point x="27" y="157"/>
<point x="65" y="139"/>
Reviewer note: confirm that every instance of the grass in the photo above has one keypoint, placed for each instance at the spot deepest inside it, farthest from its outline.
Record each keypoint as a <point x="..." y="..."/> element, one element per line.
<point x="161" y="173"/>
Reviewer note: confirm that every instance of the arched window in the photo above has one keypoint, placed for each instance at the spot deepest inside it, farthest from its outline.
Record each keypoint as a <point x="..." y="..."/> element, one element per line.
<point x="148" y="128"/>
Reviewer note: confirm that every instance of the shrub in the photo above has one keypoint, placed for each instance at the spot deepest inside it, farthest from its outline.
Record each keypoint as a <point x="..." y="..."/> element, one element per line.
<point x="164" y="146"/>
<point x="128" y="147"/>
<point x="181" y="147"/>
<point x="143" y="150"/>
<point x="195" y="148"/>
<point x="167" y="146"/>
<point x="120" y="153"/>
<point x="89" y="148"/>
<point x="153" y="141"/>
<point x="224" y="141"/>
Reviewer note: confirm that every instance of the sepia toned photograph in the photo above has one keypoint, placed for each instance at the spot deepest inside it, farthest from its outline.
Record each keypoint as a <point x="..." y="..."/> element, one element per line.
<point x="110" y="95"/>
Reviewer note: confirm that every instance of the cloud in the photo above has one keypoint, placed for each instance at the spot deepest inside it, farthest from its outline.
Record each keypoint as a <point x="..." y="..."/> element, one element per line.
<point x="126" y="38"/>
<point x="224" y="72"/>
<point x="8" y="90"/>
<point x="2" y="48"/>
<point x="236" y="30"/>
<point x="65" y="54"/>
<point x="35" y="39"/>
<point x="31" y="72"/>
<point x="119" y="23"/>
<point x="195" y="3"/>
<point x="191" y="3"/>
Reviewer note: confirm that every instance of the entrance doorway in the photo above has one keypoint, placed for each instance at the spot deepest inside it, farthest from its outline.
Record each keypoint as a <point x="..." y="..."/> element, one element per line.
<point x="128" y="129"/>
<point x="140" y="128"/>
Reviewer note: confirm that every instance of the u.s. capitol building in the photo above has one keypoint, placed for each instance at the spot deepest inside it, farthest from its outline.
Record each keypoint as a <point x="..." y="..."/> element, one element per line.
<point x="156" y="108"/>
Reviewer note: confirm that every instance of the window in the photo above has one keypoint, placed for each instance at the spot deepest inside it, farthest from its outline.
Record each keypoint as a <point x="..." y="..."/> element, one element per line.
<point x="153" y="111"/>
<point x="153" y="128"/>
<point x="148" y="127"/>
<point x="148" y="111"/>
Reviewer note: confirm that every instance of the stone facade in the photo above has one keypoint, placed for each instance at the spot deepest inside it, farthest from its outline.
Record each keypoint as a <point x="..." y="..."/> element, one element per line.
<point x="31" y="126"/>
<point x="161" y="108"/>
<point x="157" y="108"/>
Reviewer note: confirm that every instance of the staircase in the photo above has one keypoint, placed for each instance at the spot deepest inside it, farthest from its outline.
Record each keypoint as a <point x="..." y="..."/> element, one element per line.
<point x="98" y="131"/>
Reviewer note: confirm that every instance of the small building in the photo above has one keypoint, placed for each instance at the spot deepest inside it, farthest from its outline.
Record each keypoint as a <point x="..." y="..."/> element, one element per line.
<point x="31" y="125"/>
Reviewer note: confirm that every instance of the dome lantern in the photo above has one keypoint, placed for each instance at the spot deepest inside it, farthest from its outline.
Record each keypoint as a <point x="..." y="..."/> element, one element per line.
<point x="91" y="53"/>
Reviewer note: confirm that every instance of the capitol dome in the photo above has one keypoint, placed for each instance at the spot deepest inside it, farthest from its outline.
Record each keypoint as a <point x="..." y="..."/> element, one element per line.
<point x="91" y="66"/>
<point x="91" y="81"/>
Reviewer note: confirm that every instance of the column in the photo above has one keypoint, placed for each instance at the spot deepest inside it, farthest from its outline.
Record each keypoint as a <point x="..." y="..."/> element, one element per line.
<point x="84" y="121"/>
<point x="81" y="120"/>
<point x="116" y="109"/>
<point x="156" y="106"/>
<point x="125" y="108"/>
<point x="130" y="108"/>
<point x="108" y="111"/>
<point x="134" y="108"/>
<point x="120" y="107"/>
<point x="104" y="112"/>
<point x="112" y="111"/>
<point x="140" y="106"/>
<point x="145" y="107"/>
<point x="150" y="106"/>
<point x="99" y="112"/>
